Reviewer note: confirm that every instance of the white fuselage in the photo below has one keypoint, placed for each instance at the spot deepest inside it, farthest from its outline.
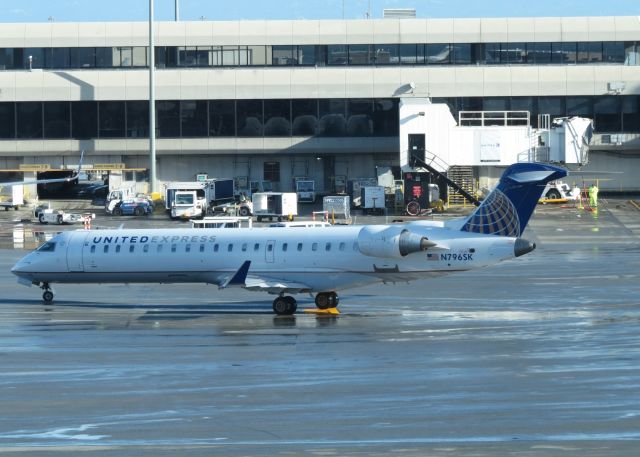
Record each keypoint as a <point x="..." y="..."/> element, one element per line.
<point x="320" y="259"/>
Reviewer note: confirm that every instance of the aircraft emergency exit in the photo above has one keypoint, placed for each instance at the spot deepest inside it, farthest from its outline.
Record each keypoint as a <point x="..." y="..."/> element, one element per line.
<point x="290" y="260"/>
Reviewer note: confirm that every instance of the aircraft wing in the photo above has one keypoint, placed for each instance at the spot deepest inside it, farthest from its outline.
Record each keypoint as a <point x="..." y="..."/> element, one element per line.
<point x="46" y="181"/>
<point x="274" y="286"/>
<point x="241" y="278"/>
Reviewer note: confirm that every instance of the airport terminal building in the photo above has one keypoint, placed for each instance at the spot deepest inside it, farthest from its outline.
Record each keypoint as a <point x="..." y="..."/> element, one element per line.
<point x="273" y="100"/>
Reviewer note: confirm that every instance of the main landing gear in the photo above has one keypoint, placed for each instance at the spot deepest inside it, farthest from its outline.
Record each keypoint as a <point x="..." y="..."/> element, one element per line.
<point x="326" y="300"/>
<point x="285" y="305"/>
<point x="47" y="295"/>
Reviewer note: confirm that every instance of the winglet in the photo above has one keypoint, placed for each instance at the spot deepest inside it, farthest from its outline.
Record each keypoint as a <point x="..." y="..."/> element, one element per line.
<point x="239" y="277"/>
<point x="80" y="163"/>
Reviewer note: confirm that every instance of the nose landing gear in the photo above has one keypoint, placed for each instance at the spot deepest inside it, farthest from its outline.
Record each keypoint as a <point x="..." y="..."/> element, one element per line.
<point x="47" y="295"/>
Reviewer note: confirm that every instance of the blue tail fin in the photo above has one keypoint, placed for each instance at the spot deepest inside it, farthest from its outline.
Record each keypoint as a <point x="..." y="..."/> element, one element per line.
<point x="507" y="209"/>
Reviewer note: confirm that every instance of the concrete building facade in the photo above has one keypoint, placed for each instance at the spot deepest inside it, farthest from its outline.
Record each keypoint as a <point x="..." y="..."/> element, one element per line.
<point x="272" y="100"/>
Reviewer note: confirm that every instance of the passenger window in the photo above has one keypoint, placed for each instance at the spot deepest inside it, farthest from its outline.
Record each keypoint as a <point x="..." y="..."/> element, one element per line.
<point x="47" y="247"/>
<point x="299" y="246"/>
<point x="132" y="248"/>
<point x="342" y="246"/>
<point x="244" y="247"/>
<point x="314" y="247"/>
<point x="202" y="248"/>
<point x="106" y="248"/>
<point x="93" y="248"/>
<point x="327" y="247"/>
<point x="117" y="248"/>
<point x="187" y="248"/>
<point x="216" y="247"/>
<point x="173" y="248"/>
<point x="284" y="247"/>
<point x="230" y="248"/>
<point x="256" y="247"/>
<point x="146" y="248"/>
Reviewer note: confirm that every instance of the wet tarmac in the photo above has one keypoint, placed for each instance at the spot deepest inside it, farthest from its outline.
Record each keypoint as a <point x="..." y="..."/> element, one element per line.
<point x="537" y="356"/>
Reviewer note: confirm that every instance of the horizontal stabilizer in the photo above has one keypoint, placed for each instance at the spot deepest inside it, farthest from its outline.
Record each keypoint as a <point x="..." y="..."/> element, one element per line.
<point x="238" y="278"/>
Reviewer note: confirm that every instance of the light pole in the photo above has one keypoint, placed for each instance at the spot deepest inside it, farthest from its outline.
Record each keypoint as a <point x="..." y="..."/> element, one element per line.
<point x="152" y="105"/>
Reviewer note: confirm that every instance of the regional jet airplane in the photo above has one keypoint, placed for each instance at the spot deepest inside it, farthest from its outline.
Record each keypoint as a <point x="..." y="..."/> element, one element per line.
<point x="315" y="260"/>
<point x="46" y="181"/>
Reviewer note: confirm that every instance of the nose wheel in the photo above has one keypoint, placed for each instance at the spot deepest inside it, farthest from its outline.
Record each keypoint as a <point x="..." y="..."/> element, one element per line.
<point x="47" y="295"/>
<point x="285" y="305"/>
<point x="326" y="300"/>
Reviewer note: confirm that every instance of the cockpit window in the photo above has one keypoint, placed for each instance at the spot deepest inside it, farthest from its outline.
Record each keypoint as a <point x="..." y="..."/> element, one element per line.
<point x="49" y="246"/>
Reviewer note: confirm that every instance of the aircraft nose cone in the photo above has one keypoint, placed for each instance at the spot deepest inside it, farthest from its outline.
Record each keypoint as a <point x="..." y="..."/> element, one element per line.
<point x="522" y="247"/>
<point x="19" y="268"/>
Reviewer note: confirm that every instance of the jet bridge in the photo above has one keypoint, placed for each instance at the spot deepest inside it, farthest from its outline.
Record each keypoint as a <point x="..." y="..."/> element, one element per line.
<point x="482" y="143"/>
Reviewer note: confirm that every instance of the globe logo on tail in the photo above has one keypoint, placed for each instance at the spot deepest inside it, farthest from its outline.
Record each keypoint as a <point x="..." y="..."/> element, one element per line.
<point x="496" y="216"/>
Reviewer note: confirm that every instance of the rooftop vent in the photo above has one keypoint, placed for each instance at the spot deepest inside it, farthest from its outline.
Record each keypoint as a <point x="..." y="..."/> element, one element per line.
<point x="398" y="13"/>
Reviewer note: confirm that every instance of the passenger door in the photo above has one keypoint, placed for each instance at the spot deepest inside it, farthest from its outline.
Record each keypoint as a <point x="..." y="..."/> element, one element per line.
<point x="75" y="250"/>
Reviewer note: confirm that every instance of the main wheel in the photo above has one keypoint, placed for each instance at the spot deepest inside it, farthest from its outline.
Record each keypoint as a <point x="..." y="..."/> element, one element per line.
<point x="47" y="296"/>
<point x="413" y="208"/>
<point x="138" y="211"/>
<point x="322" y="300"/>
<point x="293" y="305"/>
<point x="553" y="194"/>
<point x="326" y="300"/>
<point x="284" y="306"/>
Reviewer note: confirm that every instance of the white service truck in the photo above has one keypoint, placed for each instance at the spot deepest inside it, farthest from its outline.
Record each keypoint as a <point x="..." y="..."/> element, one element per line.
<point x="123" y="194"/>
<point x="11" y="197"/>
<point x="194" y="199"/>
<point x="278" y="205"/>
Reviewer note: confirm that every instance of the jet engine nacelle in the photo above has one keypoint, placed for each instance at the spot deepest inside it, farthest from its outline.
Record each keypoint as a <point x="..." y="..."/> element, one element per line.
<point x="391" y="242"/>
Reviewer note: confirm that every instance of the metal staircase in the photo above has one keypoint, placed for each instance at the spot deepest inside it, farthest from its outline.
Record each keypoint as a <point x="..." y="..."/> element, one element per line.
<point x="459" y="179"/>
<point x="463" y="177"/>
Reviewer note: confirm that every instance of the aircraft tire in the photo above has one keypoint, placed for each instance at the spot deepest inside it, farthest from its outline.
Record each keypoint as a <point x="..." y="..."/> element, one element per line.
<point x="293" y="305"/>
<point x="326" y="300"/>
<point x="47" y="296"/>
<point x="323" y="301"/>
<point x="284" y="306"/>
<point x="553" y="194"/>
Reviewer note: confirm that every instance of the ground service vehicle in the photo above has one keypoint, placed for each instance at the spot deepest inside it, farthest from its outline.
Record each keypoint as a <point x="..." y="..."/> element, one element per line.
<point x="372" y="200"/>
<point x="193" y="199"/>
<point x="48" y="215"/>
<point x="133" y="207"/>
<point x="306" y="190"/>
<point x="558" y="190"/>
<point x="11" y="197"/>
<point x="278" y="205"/>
